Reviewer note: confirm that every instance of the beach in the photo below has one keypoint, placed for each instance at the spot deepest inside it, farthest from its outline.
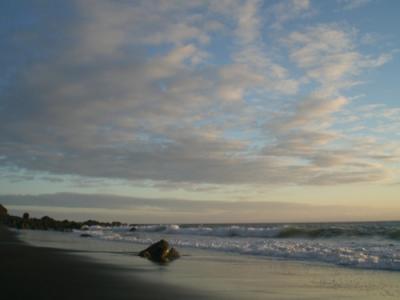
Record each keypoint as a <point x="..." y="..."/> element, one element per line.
<point x="189" y="150"/>
<point x="49" y="273"/>
<point x="110" y="269"/>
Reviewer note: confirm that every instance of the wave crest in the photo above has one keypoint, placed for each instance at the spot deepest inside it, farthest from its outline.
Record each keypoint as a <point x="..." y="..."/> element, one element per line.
<point x="280" y="231"/>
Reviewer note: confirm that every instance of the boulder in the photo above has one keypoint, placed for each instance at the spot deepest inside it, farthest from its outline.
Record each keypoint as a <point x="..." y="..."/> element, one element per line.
<point x="173" y="254"/>
<point x="48" y="223"/>
<point x="3" y="211"/>
<point x="3" y="214"/>
<point x="160" y="252"/>
<point x="85" y="235"/>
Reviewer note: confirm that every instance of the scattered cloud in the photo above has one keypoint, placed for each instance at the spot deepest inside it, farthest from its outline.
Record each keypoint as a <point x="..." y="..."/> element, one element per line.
<point x="289" y="10"/>
<point x="190" y="93"/>
<point x="353" y="4"/>
<point x="328" y="54"/>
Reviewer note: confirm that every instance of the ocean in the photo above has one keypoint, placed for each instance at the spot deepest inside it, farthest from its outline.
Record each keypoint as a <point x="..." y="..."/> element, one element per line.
<point x="250" y="261"/>
<point x="372" y="245"/>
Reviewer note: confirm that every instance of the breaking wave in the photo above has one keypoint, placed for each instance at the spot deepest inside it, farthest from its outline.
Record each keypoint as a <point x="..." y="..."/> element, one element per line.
<point x="359" y="245"/>
<point x="312" y="231"/>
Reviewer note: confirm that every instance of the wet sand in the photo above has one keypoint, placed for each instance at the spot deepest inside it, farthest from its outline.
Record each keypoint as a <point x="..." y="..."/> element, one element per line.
<point x="28" y="272"/>
<point x="66" y="266"/>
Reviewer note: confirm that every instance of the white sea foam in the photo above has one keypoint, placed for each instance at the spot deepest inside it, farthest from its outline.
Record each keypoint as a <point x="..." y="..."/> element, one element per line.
<point x="372" y="253"/>
<point x="358" y="230"/>
<point x="222" y="231"/>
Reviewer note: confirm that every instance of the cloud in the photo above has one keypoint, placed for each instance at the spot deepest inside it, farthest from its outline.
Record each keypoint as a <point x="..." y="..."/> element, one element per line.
<point x="252" y="67"/>
<point x="328" y="54"/>
<point x="289" y="10"/>
<point x="186" y="93"/>
<point x="353" y="4"/>
<point x="310" y="111"/>
<point x="248" y="22"/>
<point x="145" y="210"/>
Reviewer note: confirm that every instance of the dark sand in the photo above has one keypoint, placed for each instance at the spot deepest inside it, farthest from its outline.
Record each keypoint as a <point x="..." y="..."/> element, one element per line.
<point x="28" y="272"/>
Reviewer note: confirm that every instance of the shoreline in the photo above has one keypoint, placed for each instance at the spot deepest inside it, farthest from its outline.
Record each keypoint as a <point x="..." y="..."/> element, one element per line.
<point x="201" y="274"/>
<point x="46" y="273"/>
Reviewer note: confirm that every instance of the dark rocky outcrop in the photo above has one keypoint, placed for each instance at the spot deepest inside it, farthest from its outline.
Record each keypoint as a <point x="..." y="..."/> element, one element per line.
<point x="47" y="223"/>
<point x="160" y="252"/>
<point x="3" y="214"/>
<point x="86" y="235"/>
<point x="3" y="211"/>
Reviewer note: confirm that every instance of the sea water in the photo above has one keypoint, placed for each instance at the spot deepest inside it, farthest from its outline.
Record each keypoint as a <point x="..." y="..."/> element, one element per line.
<point x="358" y="245"/>
<point x="251" y="261"/>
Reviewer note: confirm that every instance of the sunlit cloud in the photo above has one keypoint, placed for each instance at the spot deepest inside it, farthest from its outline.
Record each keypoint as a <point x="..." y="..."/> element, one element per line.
<point x="194" y="93"/>
<point x="353" y="4"/>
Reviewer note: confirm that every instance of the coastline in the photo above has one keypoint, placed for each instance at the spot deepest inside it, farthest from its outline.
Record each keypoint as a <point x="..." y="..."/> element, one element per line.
<point x="46" y="273"/>
<point x="113" y="271"/>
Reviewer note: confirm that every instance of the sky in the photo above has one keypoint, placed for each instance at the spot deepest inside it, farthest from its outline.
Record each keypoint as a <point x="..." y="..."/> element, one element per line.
<point x="201" y="111"/>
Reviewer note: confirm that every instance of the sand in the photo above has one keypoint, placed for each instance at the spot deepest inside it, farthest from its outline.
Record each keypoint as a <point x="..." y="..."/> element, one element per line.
<point x="28" y="272"/>
<point x="101" y="269"/>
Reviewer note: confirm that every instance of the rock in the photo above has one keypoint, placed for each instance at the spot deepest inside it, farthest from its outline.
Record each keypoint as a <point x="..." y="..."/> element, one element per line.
<point x="85" y="235"/>
<point x="3" y="214"/>
<point x="48" y="223"/>
<point x="92" y="223"/>
<point x="132" y="229"/>
<point x="173" y="254"/>
<point x="26" y="224"/>
<point x="160" y="252"/>
<point x="3" y="211"/>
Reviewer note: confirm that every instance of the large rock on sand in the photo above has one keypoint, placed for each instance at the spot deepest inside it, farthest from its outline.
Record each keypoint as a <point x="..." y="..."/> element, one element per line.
<point x="160" y="252"/>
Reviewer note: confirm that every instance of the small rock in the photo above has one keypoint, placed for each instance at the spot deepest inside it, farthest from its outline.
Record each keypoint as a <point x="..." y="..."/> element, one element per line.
<point x="85" y="235"/>
<point x="160" y="252"/>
